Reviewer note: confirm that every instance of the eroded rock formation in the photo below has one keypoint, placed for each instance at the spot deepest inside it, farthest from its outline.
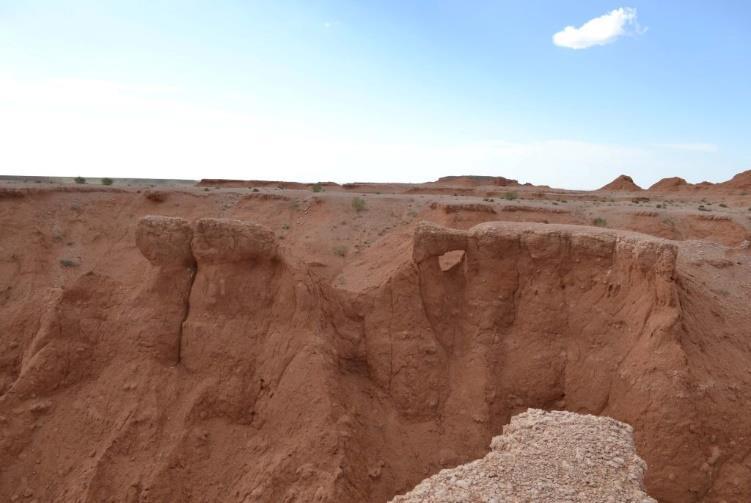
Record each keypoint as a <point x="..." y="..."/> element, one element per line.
<point x="622" y="183"/>
<point x="233" y="372"/>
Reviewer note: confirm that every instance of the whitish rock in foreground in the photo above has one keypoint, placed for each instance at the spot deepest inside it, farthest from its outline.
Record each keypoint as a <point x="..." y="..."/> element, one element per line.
<point x="546" y="457"/>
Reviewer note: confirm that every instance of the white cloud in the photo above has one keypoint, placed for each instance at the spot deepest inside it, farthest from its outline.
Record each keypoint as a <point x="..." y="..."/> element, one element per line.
<point x="600" y="30"/>
<point x="692" y="147"/>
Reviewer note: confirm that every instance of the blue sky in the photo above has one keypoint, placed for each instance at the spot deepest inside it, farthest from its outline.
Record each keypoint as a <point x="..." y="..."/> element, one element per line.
<point x="375" y="91"/>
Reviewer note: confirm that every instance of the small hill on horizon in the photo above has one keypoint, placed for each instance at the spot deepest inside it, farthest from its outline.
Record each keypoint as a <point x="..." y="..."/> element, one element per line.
<point x="740" y="181"/>
<point x="623" y="183"/>
<point x="477" y="180"/>
<point x="670" y="184"/>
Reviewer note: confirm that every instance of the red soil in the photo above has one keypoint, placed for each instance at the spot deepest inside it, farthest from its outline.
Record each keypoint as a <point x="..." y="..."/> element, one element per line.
<point x="623" y="183"/>
<point x="739" y="182"/>
<point x="283" y="345"/>
<point x="475" y="181"/>
<point x="670" y="185"/>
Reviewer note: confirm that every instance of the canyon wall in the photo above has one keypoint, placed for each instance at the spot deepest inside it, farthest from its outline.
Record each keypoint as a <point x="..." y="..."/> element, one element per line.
<point x="219" y="366"/>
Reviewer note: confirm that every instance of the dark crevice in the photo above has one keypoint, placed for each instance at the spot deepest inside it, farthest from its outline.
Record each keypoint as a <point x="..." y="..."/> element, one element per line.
<point x="186" y="313"/>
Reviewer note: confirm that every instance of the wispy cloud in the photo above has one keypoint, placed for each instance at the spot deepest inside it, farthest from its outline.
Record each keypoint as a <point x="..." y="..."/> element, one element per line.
<point x="691" y="147"/>
<point x="600" y="30"/>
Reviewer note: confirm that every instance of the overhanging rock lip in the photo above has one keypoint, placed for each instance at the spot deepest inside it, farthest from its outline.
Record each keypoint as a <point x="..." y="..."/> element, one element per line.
<point x="431" y="240"/>
<point x="217" y="240"/>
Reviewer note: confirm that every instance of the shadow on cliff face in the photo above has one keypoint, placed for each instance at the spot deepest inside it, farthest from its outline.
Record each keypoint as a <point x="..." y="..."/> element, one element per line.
<point x="239" y="376"/>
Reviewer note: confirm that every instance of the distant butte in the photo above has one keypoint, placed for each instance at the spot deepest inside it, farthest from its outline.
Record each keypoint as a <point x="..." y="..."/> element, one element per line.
<point x="623" y="183"/>
<point x="671" y="184"/>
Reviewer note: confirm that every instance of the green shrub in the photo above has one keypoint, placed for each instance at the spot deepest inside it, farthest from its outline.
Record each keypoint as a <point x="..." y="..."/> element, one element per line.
<point x="107" y="181"/>
<point x="600" y="222"/>
<point x="317" y="187"/>
<point x="79" y="180"/>
<point x="510" y="196"/>
<point x="358" y="203"/>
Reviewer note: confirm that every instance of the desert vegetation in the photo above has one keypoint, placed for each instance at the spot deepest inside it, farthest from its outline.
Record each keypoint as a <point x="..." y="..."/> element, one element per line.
<point x="358" y="203"/>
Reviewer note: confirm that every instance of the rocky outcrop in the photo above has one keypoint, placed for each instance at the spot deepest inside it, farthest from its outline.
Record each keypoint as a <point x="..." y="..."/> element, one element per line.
<point x="623" y="183"/>
<point x="165" y="241"/>
<point x="477" y="180"/>
<point x="241" y="280"/>
<point x="672" y="184"/>
<point x="221" y="240"/>
<point x="741" y="181"/>
<point x="246" y="347"/>
<point x="547" y="457"/>
<point x="432" y="240"/>
<point x="210" y="362"/>
<point x="533" y="315"/>
<point x="163" y="302"/>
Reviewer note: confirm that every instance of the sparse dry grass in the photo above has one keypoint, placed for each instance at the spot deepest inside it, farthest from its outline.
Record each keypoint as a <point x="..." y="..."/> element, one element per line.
<point x="358" y="203"/>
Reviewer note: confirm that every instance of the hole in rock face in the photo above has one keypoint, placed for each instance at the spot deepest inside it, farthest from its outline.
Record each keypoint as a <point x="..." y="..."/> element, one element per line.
<point x="449" y="259"/>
